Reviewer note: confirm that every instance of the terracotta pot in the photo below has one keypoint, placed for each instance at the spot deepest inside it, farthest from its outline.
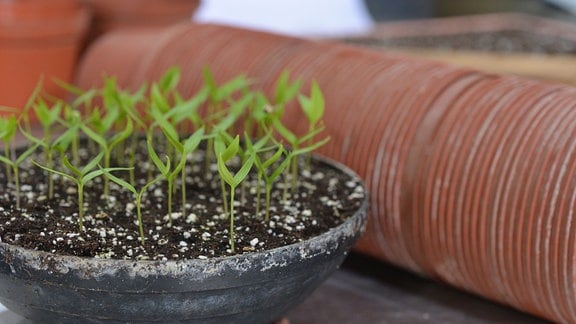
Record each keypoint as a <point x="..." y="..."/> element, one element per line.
<point x="38" y="39"/>
<point x="470" y="174"/>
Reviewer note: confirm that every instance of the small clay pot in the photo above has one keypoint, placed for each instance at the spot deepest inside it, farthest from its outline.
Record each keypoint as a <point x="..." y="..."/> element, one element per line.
<point x="39" y="40"/>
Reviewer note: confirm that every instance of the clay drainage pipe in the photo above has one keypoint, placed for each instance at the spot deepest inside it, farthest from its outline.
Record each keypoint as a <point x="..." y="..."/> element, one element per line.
<point x="471" y="174"/>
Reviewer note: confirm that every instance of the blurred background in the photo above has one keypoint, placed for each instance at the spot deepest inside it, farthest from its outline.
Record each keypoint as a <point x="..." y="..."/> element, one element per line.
<point x="325" y="17"/>
<point x="46" y="38"/>
<point x="51" y="41"/>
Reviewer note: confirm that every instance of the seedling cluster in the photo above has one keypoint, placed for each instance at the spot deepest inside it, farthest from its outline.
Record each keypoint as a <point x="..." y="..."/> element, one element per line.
<point x="232" y="128"/>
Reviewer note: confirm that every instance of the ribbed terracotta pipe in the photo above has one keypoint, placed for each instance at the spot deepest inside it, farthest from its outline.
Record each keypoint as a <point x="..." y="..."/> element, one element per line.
<point x="472" y="175"/>
<point x="109" y="15"/>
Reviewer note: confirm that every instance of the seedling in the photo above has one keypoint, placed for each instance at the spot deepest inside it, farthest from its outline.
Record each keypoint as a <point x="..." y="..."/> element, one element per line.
<point x="165" y="171"/>
<point x="80" y="176"/>
<point x="8" y="127"/>
<point x="218" y="98"/>
<point x="139" y="194"/>
<point x="108" y="144"/>
<point x="11" y="159"/>
<point x="233" y="180"/>
<point x="313" y="108"/>
<point x="183" y="148"/>
<point x="265" y="169"/>
<point x="297" y="148"/>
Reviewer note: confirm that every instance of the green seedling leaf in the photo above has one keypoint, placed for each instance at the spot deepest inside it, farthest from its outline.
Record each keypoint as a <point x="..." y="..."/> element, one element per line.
<point x="123" y="135"/>
<point x="285" y="132"/>
<point x="6" y="160"/>
<point x="103" y="123"/>
<point x="94" y="136"/>
<point x="277" y="155"/>
<point x="313" y="107"/>
<point x="192" y="142"/>
<point x="244" y="170"/>
<point x="70" y="88"/>
<point x="312" y="147"/>
<point x="225" y="91"/>
<point x="224" y="173"/>
<point x="24" y="155"/>
<point x="209" y="81"/>
<point x="229" y="88"/>
<point x="8" y="128"/>
<point x="91" y="175"/>
<point x="170" y="79"/>
<point x="47" y="115"/>
<point x="60" y="173"/>
<point x="164" y="168"/>
<point x="167" y="128"/>
<point x="188" y="110"/>
<point x="231" y="150"/>
<point x="285" y="90"/>
<point x="234" y="113"/>
<point x="158" y="99"/>
<point x="84" y="97"/>
<point x="119" y="181"/>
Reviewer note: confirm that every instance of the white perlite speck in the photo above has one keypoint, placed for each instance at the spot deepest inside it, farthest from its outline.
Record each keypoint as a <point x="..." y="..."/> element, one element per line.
<point x="173" y="216"/>
<point x="191" y="218"/>
<point x="254" y="242"/>
<point x="351" y="184"/>
<point x="130" y="207"/>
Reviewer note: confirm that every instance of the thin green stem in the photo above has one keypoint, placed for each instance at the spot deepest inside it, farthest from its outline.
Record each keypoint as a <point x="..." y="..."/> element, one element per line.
<point x="268" y="194"/>
<point x="258" y="192"/>
<point x="139" y="216"/>
<point x="50" y="165"/>
<point x="80" y="207"/>
<point x="170" y="192"/>
<point x="232" y="232"/>
<point x="224" y="200"/>
<point x="7" y="154"/>
<point x="17" y="183"/>
<point x="183" y="190"/>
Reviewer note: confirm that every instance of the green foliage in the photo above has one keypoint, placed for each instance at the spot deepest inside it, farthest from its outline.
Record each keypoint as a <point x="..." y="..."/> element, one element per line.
<point x="107" y="124"/>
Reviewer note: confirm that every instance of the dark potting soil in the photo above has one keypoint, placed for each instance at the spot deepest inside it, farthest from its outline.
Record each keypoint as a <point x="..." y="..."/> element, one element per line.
<point x="324" y="198"/>
<point x="503" y="41"/>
